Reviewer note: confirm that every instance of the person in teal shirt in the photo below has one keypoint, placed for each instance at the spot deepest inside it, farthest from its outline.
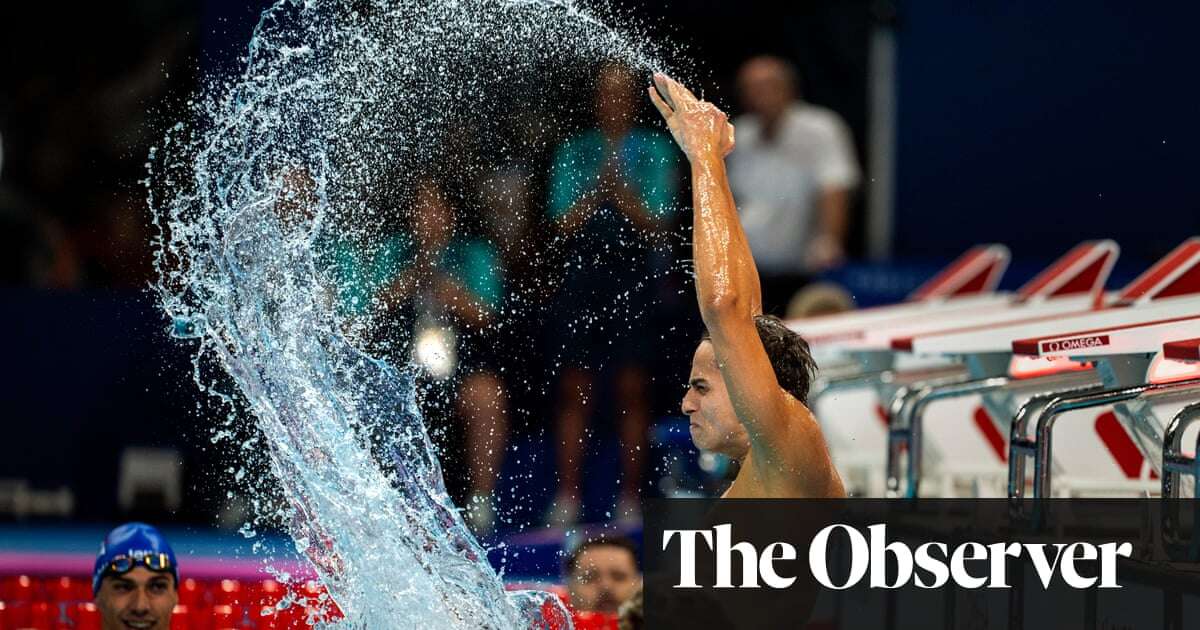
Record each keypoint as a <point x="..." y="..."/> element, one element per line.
<point x="612" y="189"/>
<point x="434" y="281"/>
<point x="462" y="275"/>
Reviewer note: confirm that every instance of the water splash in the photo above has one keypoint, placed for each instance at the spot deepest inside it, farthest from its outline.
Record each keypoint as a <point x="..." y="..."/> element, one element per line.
<point x="339" y="103"/>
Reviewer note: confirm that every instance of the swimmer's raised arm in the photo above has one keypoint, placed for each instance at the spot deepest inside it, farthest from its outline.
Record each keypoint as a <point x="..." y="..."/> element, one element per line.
<point x="786" y="443"/>
<point x="726" y="278"/>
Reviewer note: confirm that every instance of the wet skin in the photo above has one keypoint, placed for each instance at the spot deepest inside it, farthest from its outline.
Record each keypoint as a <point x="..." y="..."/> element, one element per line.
<point x="782" y="452"/>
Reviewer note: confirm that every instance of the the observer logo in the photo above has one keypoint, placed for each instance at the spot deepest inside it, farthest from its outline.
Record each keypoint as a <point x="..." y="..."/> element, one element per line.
<point x="891" y="565"/>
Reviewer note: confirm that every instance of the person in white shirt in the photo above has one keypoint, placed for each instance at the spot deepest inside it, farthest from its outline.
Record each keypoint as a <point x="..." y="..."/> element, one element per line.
<point x="793" y="174"/>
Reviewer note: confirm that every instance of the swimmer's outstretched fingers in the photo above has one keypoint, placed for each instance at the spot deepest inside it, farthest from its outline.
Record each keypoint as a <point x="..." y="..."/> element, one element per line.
<point x="690" y="119"/>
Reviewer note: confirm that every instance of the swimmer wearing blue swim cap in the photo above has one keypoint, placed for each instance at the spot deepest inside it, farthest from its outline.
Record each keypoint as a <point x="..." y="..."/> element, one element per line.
<point x="136" y="579"/>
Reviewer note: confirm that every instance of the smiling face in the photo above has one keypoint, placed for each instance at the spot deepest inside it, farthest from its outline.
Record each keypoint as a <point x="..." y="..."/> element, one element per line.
<point x="139" y="599"/>
<point x="714" y="425"/>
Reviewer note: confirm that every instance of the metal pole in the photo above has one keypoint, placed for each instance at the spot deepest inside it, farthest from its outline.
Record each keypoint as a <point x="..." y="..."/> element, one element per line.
<point x="905" y="418"/>
<point x="898" y="438"/>
<point x="1044" y="446"/>
<point x="917" y="414"/>
<point x="904" y="426"/>
<point x="1021" y="447"/>
<point x="1174" y="465"/>
<point x="882" y="149"/>
<point x="899" y="435"/>
<point x="845" y="381"/>
<point x="837" y="382"/>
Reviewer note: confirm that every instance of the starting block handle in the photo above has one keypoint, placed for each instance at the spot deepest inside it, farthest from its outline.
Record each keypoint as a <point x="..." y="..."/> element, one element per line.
<point x="1175" y="464"/>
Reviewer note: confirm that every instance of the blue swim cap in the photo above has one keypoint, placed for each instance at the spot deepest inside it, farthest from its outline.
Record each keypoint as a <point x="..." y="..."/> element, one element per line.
<point x="133" y="545"/>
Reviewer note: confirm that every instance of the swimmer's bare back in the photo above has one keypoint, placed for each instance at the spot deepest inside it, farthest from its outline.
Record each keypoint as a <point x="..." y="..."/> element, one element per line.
<point x="788" y="457"/>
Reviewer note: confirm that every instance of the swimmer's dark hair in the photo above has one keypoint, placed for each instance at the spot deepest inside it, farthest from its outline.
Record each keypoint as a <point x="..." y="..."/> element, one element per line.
<point x="789" y="354"/>
<point x="601" y="541"/>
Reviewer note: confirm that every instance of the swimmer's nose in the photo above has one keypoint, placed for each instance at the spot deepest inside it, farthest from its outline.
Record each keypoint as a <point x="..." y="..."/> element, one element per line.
<point x="687" y="405"/>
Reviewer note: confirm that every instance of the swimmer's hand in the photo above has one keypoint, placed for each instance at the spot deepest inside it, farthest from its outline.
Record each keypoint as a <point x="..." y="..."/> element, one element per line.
<point x="699" y="127"/>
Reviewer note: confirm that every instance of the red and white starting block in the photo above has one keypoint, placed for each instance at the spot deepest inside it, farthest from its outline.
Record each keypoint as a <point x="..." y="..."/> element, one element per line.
<point x="1129" y="386"/>
<point x="849" y="402"/>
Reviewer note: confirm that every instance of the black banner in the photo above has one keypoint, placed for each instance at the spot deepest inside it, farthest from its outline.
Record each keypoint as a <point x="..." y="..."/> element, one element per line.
<point x="952" y="563"/>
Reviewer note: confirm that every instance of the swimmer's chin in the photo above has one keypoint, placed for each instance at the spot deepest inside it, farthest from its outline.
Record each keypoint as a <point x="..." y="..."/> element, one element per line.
<point x="697" y="432"/>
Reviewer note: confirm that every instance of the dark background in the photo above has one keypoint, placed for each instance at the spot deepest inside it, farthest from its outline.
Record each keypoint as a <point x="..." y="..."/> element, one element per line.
<point x="1041" y="124"/>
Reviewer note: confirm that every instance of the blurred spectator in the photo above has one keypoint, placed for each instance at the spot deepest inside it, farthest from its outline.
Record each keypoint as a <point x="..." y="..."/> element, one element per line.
<point x="819" y="298"/>
<point x="793" y="172"/>
<point x="442" y="289"/>
<point x="505" y="195"/>
<point x="35" y="250"/>
<point x="510" y="220"/>
<point x="602" y="574"/>
<point x="112" y="242"/>
<point x="77" y="130"/>
<point x="135" y="580"/>
<point x="610" y="188"/>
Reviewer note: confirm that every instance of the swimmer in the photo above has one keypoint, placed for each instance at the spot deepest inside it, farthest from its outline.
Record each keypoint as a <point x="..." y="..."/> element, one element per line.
<point x="750" y="375"/>
<point x="136" y="579"/>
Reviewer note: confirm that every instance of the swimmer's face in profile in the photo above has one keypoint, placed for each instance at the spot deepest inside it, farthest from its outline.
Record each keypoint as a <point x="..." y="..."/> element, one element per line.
<point x="714" y="425"/>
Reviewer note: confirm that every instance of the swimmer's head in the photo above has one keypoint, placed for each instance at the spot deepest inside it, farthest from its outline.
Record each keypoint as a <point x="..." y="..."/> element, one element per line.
<point x="714" y="425"/>
<point x="136" y="579"/>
